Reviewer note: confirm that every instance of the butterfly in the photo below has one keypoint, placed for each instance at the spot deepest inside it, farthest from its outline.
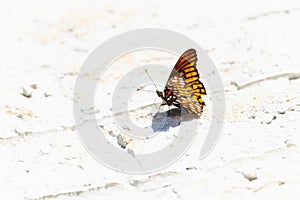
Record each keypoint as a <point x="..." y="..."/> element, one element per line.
<point x="183" y="88"/>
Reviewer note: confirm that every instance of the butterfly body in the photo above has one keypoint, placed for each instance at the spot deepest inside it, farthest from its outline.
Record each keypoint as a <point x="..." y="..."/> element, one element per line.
<point x="168" y="97"/>
<point x="183" y="88"/>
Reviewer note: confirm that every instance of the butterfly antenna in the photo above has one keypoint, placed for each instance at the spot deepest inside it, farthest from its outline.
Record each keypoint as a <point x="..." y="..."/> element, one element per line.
<point x="150" y="78"/>
<point x="141" y="89"/>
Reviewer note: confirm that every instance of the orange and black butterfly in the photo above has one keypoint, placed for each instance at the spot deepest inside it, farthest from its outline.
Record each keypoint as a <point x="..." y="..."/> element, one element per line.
<point x="183" y="88"/>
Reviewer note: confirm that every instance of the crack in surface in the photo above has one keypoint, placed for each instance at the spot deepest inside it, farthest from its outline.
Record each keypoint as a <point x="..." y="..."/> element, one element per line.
<point x="290" y="76"/>
<point x="75" y="193"/>
<point x="287" y="11"/>
<point x="279" y="182"/>
<point x="22" y="134"/>
<point x="248" y="158"/>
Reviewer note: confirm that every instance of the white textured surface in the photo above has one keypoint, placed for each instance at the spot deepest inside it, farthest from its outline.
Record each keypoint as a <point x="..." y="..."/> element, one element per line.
<point x="46" y="43"/>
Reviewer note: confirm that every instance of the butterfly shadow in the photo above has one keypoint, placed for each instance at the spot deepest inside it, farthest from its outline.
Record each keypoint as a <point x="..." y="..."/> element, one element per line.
<point x="163" y="121"/>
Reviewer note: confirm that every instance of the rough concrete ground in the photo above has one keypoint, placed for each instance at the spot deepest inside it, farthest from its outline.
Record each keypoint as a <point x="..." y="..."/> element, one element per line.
<point x="255" y="46"/>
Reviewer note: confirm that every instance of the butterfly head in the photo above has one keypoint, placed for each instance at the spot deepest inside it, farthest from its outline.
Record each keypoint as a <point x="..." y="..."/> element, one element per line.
<point x="167" y="92"/>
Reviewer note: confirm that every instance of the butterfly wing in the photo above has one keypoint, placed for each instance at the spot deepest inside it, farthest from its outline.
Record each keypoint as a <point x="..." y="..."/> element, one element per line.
<point x="185" y="84"/>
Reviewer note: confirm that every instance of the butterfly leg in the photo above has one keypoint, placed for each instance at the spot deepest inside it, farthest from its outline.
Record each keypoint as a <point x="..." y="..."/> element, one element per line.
<point x="162" y="104"/>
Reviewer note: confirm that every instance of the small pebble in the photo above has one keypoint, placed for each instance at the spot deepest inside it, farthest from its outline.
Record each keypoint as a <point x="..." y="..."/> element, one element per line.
<point x="190" y="168"/>
<point x="79" y="166"/>
<point x="47" y="94"/>
<point x="267" y="118"/>
<point x="131" y="152"/>
<point x="26" y="92"/>
<point x="121" y="141"/>
<point x="273" y="118"/>
<point x="33" y="86"/>
<point x="289" y="145"/>
<point x="281" y="112"/>
<point x="250" y="176"/>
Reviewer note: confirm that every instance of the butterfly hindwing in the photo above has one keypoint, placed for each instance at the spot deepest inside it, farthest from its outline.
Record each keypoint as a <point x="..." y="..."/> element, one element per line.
<point x="183" y="94"/>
